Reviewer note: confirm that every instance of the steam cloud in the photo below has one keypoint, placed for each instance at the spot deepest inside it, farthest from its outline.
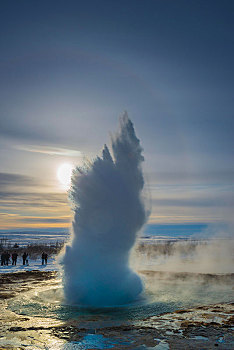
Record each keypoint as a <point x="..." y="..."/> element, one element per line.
<point x="213" y="256"/>
<point x="108" y="213"/>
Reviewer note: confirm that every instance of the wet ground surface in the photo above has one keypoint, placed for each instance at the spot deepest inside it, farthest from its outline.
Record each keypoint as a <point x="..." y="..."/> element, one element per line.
<point x="202" y="327"/>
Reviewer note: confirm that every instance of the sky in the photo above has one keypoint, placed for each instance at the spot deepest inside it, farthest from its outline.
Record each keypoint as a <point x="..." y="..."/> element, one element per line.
<point x="69" y="69"/>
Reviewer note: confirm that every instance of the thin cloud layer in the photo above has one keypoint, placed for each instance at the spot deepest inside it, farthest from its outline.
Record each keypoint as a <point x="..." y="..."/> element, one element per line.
<point x="25" y="203"/>
<point x="9" y="179"/>
<point x="52" y="151"/>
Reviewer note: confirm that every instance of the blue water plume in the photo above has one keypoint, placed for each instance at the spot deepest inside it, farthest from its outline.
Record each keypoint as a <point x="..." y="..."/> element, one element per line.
<point x="108" y="212"/>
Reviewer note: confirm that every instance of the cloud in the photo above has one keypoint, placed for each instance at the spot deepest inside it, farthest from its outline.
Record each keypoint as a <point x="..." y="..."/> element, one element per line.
<point x="191" y="177"/>
<point x="24" y="202"/>
<point x="12" y="221"/>
<point x="33" y="199"/>
<point x="8" y="179"/>
<point x="8" y="215"/>
<point x="216" y="201"/>
<point x="19" y="184"/>
<point x="58" y="151"/>
<point x="29" y="219"/>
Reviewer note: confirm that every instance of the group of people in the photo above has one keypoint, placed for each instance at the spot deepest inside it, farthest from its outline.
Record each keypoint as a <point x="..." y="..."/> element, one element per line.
<point x="6" y="256"/>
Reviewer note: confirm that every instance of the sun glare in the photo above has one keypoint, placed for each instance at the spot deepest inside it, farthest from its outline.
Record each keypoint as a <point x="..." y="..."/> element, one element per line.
<point x="64" y="174"/>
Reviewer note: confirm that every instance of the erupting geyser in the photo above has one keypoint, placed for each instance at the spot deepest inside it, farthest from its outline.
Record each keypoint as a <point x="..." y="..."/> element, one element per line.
<point x="108" y="213"/>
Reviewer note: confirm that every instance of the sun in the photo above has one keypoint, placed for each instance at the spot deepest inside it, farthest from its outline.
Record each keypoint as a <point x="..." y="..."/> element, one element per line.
<point x="64" y="173"/>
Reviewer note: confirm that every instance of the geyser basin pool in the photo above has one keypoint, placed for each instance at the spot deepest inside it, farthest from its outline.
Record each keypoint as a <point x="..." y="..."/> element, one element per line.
<point x="160" y="296"/>
<point x="42" y="321"/>
<point x="108" y="212"/>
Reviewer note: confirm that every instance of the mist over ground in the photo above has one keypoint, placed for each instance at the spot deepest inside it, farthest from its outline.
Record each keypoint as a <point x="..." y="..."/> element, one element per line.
<point x="198" y="256"/>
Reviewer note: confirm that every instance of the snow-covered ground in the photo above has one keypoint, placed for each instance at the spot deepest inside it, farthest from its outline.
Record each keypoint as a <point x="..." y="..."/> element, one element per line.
<point x="52" y="265"/>
<point x="22" y="239"/>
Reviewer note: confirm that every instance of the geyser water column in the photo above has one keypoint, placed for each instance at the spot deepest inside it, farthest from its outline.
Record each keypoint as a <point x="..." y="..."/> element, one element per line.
<point x="108" y="213"/>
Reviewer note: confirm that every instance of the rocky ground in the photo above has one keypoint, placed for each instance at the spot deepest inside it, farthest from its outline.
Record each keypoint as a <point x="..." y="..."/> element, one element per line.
<point x="204" y="327"/>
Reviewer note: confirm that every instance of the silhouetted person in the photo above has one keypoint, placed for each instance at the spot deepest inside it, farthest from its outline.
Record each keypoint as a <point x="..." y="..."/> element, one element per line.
<point x="46" y="257"/>
<point x="3" y="258"/>
<point x="25" y="255"/>
<point x="7" y="258"/>
<point x="14" y="258"/>
<point x="42" y="258"/>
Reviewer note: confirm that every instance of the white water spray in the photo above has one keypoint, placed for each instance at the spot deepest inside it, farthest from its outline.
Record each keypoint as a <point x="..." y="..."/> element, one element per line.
<point x="108" y="213"/>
